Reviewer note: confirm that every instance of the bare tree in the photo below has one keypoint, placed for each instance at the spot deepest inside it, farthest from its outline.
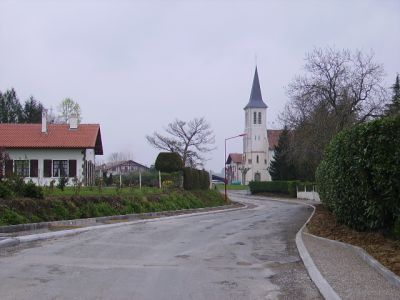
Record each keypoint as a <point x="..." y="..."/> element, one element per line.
<point x="67" y="108"/>
<point x="338" y="90"/>
<point x="189" y="139"/>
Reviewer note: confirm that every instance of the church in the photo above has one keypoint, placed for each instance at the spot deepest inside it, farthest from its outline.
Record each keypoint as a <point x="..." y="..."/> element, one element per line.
<point x="258" y="142"/>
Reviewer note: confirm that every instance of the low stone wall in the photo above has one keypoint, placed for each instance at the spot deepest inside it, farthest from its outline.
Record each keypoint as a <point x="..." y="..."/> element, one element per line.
<point x="308" y="195"/>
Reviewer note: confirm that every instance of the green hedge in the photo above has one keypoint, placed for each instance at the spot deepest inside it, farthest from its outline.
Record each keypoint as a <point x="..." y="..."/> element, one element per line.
<point x="168" y="162"/>
<point x="194" y="179"/>
<point x="359" y="178"/>
<point x="277" y="187"/>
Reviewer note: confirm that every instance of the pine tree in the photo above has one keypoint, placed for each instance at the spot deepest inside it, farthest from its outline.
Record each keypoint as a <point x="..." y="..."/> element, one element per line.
<point x="10" y="107"/>
<point x="32" y="112"/>
<point x="393" y="108"/>
<point x="281" y="168"/>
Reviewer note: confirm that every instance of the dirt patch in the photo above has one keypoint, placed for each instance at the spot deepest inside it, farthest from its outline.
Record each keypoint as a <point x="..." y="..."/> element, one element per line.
<point x="383" y="248"/>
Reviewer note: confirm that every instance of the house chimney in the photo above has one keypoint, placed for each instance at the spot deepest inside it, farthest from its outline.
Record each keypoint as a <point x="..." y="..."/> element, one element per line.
<point x="73" y="121"/>
<point x="44" y="121"/>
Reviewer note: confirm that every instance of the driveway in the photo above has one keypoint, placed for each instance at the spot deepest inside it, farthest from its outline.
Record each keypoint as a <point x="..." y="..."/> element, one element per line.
<point x="242" y="254"/>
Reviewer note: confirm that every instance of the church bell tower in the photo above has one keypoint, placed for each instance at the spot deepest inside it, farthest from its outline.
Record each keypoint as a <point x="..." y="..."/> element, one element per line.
<point x="255" y="142"/>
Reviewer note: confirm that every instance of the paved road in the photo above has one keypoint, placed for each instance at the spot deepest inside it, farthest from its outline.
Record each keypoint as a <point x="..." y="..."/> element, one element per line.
<point x="244" y="254"/>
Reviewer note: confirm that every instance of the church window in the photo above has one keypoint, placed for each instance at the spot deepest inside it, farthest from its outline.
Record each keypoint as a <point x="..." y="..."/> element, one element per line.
<point x="265" y="161"/>
<point x="257" y="159"/>
<point x="254" y="118"/>
<point x="259" y="118"/>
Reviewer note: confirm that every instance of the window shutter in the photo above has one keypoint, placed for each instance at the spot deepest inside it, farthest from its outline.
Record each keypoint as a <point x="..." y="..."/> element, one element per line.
<point x="72" y="168"/>
<point x="47" y="168"/>
<point x="34" y="168"/>
<point x="9" y="167"/>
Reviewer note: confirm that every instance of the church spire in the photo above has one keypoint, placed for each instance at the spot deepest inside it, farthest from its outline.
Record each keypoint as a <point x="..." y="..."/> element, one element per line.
<point x="256" y="100"/>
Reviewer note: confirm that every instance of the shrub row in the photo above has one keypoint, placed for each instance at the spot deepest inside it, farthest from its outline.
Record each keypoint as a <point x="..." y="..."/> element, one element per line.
<point x="194" y="179"/>
<point x="359" y="178"/>
<point x="29" y="210"/>
<point x="16" y="187"/>
<point x="278" y="187"/>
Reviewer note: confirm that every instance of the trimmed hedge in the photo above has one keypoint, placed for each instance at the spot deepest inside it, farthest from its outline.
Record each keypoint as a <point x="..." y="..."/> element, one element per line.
<point x="168" y="162"/>
<point x="194" y="179"/>
<point x="278" y="187"/>
<point x="359" y="178"/>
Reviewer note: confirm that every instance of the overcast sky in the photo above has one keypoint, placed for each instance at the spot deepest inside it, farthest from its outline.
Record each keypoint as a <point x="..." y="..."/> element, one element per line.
<point x="135" y="66"/>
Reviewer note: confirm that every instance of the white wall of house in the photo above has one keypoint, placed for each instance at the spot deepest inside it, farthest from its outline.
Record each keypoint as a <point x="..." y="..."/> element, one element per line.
<point x="54" y="154"/>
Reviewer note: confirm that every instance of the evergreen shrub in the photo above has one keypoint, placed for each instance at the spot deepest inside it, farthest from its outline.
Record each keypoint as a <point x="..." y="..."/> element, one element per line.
<point x="168" y="162"/>
<point x="194" y="179"/>
<point x="359" y="178"/>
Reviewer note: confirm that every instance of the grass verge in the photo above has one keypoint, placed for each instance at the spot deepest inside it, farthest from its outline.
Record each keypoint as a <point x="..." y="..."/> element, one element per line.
<point x="129" y="201"/>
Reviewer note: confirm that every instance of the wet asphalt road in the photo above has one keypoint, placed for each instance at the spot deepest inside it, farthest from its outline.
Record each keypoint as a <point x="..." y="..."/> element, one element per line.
<point x="243" y="254"/>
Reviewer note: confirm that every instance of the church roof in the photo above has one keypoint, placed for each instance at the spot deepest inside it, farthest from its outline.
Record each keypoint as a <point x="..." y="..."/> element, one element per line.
<point x="273" y="137"/>
<point x="255" y="100"/>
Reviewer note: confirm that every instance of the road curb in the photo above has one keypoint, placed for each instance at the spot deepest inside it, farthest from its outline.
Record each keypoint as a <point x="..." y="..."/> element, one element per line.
<point x="385" y="272"/>
<point x="321" y="283"/>
<point x="63" y="233"/>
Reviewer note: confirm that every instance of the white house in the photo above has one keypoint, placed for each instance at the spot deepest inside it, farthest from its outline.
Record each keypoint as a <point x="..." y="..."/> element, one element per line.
<point x="46" y="152"/>
<point x="258" y="143"/>
<point x="234" y="167"/>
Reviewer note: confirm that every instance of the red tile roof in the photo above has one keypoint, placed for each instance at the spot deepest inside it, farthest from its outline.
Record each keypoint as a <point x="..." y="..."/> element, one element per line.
<point x="273" y="137"/>
<point x="235" y="157"/>
<point x="57" y="136"/>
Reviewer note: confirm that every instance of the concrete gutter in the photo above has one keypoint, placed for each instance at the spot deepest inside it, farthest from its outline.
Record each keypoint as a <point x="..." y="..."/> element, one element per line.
<point x="13" y="241"/>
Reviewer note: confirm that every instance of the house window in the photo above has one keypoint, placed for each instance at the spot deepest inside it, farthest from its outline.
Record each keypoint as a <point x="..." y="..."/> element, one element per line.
<point x="60" y="168"/>
<point x="21" y="168"/>
<point x="34" y="168"/>
<point x="255" y="118"/>
<point x="249" y="161"/>
<point x="259" y="118"/>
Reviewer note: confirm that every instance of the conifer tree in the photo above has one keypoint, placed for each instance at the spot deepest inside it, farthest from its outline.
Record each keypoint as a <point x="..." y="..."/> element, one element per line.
<point x="393" y="108"/>
<point x="281" y="167"/>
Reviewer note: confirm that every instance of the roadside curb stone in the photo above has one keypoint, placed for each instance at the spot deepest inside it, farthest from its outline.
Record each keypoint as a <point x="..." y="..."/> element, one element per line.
<point x="321" y="283"/>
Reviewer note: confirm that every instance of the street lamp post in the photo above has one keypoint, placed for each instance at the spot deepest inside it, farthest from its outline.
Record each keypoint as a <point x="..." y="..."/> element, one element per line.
<point x="243" y="134"/>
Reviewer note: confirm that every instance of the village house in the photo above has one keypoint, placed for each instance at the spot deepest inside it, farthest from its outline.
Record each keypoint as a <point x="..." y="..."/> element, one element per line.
<point x="45" y="152"/>
<point x="123" y="167"/>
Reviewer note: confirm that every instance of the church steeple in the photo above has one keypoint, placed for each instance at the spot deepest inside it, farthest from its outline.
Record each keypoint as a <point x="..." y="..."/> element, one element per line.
<point x="256" y="100"/>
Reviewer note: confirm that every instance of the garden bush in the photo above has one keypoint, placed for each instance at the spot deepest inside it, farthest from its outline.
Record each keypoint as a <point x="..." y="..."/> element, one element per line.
<point x="32" y="190"/>
<point x="168" y="162"/>
<point x="194" y="179"/>
<point x="278" y="187"/>
<point x="5" y="190"/>
<point x="359" y="178"/>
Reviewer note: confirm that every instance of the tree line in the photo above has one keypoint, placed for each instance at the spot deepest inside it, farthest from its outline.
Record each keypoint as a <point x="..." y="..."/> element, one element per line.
<point x="12" y="110"/>
<point x="339" y="89"/>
